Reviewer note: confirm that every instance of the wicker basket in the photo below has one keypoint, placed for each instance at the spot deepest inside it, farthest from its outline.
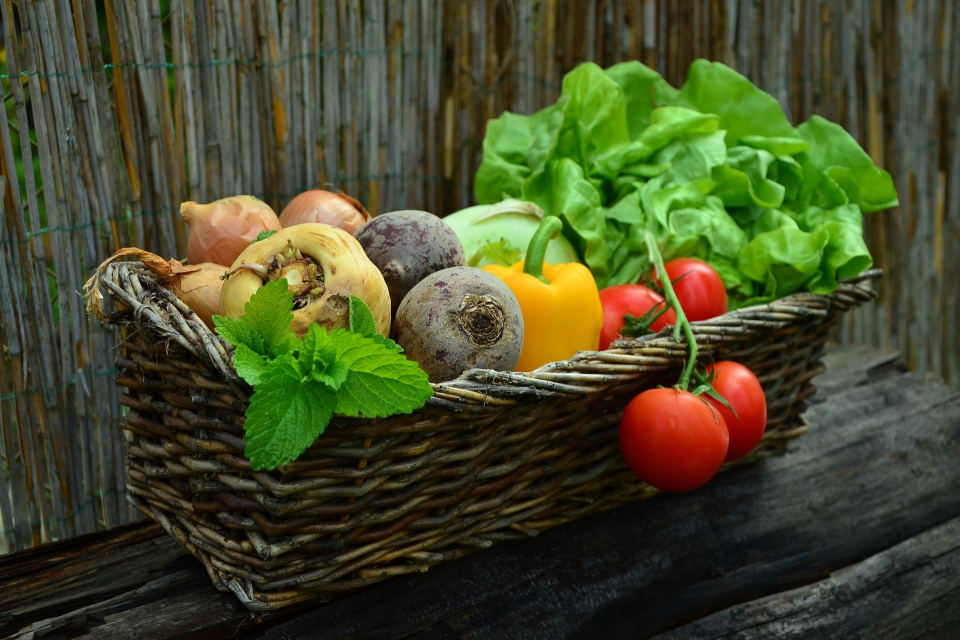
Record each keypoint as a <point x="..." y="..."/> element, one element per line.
<point x="492" y="456"/>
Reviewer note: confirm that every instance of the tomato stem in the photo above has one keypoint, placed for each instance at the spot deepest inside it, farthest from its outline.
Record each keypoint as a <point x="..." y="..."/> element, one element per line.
<point x="671" y="297"/>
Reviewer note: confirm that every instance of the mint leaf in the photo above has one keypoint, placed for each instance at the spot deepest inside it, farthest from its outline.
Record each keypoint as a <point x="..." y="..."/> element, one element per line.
<point x="362" y="322"/>
<point x="317" y="358"/>
<point x="299" y="384"/>
<point x="270" y="311"/>
<point x="501" y="252"/>
<point x="361" y="318"/>
<point x="249" y="364"/>
<point x="380" y="382"/>
<point x="333" y="376"/>
<point x="239" y="332"/>
<point x="387" y="342"/>
<point x="317" y="350"/>
<point x="286" y="414"/>
<point x="263" y="235"/>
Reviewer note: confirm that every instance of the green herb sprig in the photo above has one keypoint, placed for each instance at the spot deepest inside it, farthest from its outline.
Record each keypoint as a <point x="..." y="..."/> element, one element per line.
<point x="501" y="252"/>
<point x="299" y="384"/>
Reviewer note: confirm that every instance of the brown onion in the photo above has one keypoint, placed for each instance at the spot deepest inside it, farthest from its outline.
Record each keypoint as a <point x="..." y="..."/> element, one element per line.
<point x="221" y="230"/>
<point x="201" y="290"/>
<point x="336" y="209"/>
<point x="197" y="285"/>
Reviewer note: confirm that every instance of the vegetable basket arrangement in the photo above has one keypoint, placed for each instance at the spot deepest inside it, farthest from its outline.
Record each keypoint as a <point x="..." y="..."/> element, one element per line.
<point x="321" y="400"/>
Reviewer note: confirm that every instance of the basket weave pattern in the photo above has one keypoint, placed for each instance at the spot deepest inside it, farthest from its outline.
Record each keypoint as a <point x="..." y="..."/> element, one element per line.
<point x="492" y="456"/>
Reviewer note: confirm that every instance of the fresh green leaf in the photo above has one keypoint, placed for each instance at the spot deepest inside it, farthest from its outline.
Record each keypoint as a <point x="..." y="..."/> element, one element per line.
<point x="379" y="382"/>
<point x="643" y="89"/>
<point x="563" y="188"/>
<point x="783" y="260"/>
<point x="743" y="180"/>
<point x="270" y="311"/>
<point x="743" y="109"/>
<point x="286" y="414"/>
<point x="249" y="364"/>
<point x="387" y="342"/>
<point x="361" y="318"/>
<point x="834" y="154"/>
<point x="595" y="131"/>
<point x="674" y="123"/>
<point x="693" y="158"/>
<point x="714" y="170"/>
<point x="845" y="256"/>
<point x="500" y="252"/>
<point x="237" y="332"/>
<point x="316" y="351"/>
<point x="333" y="376"/>
<point x="299" y="384"/>
<point x="263" y="235"/>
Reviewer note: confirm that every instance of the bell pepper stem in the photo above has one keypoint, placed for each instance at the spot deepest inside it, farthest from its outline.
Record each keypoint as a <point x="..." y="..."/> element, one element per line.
<point x="671" y="297"/>
<point x="549" y="229"/>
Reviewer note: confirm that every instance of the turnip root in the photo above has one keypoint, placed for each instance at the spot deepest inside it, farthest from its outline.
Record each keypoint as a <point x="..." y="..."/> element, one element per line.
<point x="323" y="266"/>
<point x="407" y="246"/>
<point x="457" y="319"/>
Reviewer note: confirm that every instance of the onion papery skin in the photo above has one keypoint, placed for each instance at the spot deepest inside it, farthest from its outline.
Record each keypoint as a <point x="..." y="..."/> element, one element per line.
<point x="325" y="207"/>
<point x="198" y="285"/>
<point x="345" y="270"/>
<point x="201" y="290"/>
<point x="222" y="230"/>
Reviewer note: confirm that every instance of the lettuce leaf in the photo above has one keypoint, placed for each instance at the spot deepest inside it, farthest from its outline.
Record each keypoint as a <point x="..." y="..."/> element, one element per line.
<point x="743" y="109"/>
<point x="835" y="161"/>
<point x="715" y="170"/>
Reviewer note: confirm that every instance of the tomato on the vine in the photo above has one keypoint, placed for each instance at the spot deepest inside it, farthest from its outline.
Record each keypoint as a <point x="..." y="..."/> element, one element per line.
<point x="634" y="299"/>
<point x="741" y="389"/>
<point x="672" y="440"/>
<point x="699" y="288"/>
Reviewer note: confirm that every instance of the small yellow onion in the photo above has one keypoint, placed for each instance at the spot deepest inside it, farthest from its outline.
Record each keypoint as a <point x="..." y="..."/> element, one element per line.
<point x="198" y="285"/>
<point x="316" y="205"/>
<point x="323" y="266"/>
<point x="201" y="290"/>
<point x="221" y="230"/>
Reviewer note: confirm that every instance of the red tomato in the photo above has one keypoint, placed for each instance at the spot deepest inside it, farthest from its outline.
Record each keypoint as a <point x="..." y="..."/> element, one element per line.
<point x="672" y="439"/>
<point x="700" y="291"/>
<point x="742" y="390"/>
<point x="635" y="299"/>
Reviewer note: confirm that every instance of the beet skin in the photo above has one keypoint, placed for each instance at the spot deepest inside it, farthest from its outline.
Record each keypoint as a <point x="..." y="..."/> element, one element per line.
<point x="407" y="246"/>
<point x="458" y="319"/>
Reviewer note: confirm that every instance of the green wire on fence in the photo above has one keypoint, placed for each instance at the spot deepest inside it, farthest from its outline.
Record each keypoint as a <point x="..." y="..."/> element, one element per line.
<point x="83" y="506"/>
<point x="47" y="393"/>
<point x="322" y="53"/>
<point x="263" y="196"/>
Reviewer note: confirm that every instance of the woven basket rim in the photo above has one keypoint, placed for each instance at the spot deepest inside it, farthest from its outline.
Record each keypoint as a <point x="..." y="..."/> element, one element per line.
<point x="582" y="373"/>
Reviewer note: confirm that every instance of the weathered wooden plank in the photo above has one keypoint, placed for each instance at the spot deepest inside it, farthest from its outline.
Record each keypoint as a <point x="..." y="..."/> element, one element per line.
<point x="853" y="365"/>
<point x="65" y="576"/>
<point x="179" y="604"/>
<point x="911" y="590"/>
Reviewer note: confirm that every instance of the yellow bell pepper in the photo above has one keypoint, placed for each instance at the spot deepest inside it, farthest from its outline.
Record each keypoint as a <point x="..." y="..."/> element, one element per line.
<point x="560" y="303"/>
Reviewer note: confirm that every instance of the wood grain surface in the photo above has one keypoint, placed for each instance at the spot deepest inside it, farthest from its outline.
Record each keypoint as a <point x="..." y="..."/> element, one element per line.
<point x="135" y="107"/>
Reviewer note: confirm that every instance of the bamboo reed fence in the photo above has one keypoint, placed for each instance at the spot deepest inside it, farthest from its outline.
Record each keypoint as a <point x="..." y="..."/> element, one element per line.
<point x="116" y="112"/>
